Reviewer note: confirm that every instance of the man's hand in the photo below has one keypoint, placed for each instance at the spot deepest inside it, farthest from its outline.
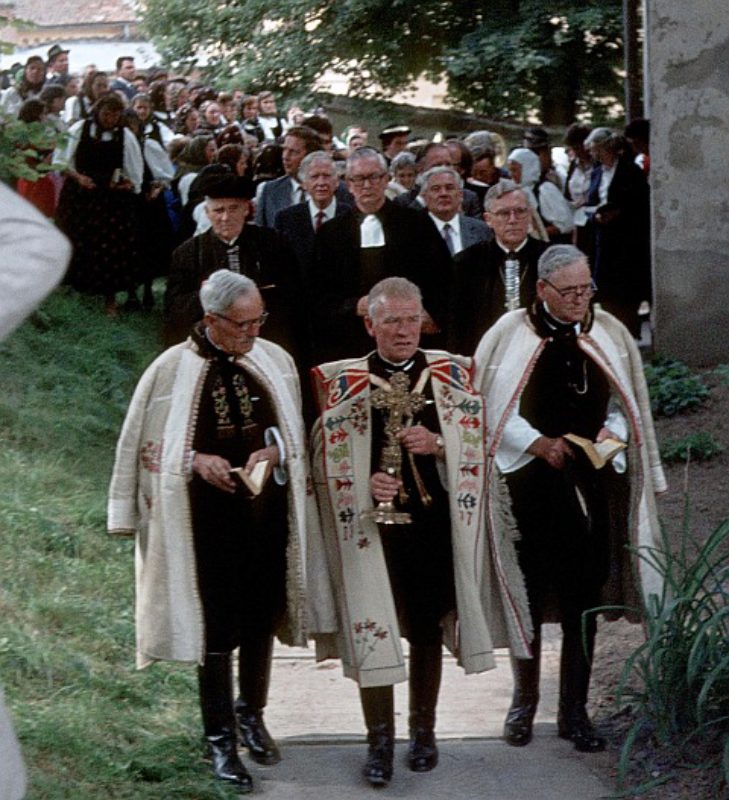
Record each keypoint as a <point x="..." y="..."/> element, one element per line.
<point x="269" y="454"/>
<point x="419" y="441"/>
<point x="384" y="487"/>
<point x="606" y="433"/>
<point x="553" y="451"/>
<point x="84" y="181"/>
<point x="215" y="470"/>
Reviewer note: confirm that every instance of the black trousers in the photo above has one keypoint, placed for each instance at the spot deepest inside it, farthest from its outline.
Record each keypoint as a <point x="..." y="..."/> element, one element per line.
<point x="240" y="550"/>
<point x="420" y="566"/>
<point x="563" y="521"/>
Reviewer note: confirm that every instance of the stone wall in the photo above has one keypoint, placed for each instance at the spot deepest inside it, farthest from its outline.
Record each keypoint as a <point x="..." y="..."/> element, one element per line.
<point x="688" y="70"/>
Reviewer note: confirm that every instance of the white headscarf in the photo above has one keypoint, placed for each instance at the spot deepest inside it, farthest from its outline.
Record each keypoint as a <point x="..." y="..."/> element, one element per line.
<point x="530" y="167"/>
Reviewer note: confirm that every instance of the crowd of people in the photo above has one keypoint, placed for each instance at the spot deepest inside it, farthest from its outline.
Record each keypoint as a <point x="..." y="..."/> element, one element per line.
<point x="140" y="146"/>
<point x="440" y="315"/>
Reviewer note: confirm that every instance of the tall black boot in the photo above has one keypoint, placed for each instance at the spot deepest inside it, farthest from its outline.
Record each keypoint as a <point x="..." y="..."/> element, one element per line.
<point x="216" y="704"/>
<point x="254" y="676"/>
<point x="524" y="702"/>
<point x="574" y="681"/>
<point x="378" y="707"/>
<point x="426" y="662"/>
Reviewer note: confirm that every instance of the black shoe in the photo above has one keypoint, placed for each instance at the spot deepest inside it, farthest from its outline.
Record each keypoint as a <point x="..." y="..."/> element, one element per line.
<point x="378" y="767"/>
<point x="423" y="751"/>
<point x="518" y="724"/>
<point x="261" y="747"/>
<point x="577" y="728"/>
<point x="227" y="764"/>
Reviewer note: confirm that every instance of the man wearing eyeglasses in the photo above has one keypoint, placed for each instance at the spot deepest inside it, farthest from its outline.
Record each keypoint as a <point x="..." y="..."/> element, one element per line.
<point x="495" y="276"/>
<point x="232" y="244"/>
<point x="426" y="577"/>
<point x="564" y="367"/>
<point x="220" y="568"/>
<point x="374" y="240"/>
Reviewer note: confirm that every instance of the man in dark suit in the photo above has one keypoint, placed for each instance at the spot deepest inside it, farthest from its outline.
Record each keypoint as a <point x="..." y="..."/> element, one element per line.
<point x="495" y="276"/>
<point x="298" y="224"/>
<point x="374" y="240"/>
<point x="286" y="191"/>
<point x="255" y="252"/>
<point x="435" y="154"/>
<point x="442" y="192"/>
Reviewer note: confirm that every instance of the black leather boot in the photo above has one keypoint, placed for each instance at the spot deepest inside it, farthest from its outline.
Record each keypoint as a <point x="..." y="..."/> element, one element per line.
<point x="574" y="681"/>
<point x="520" y="717"/>
<point x="379" y="714"/>
<point x="216" y="704"/>
<point x="425" y="675"/>
<point x="254" y="673"/>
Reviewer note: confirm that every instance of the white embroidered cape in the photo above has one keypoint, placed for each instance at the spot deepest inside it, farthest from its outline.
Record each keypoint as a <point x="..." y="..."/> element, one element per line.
<point x="491" y="602"/>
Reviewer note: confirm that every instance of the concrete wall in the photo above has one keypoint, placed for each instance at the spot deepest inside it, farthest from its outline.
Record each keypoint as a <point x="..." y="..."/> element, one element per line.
<point x="688" y="71"/>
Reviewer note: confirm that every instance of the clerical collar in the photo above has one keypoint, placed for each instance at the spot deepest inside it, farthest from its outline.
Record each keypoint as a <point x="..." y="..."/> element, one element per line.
<point x="229" y="243"/>
<point x="558" y="325"/>
<point x="508" y="250"/>
<point x="391" y="368"/>
<point x="207" y="347"/>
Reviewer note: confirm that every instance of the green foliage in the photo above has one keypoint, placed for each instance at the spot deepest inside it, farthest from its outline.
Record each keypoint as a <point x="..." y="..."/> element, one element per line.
<point x="20" y="146"/>
<point x="557" y="60"/>
<point x="700" y="446"/>
<point x="504" y="58"/>
<point x="672" y="387"/>
<point x="721" y="373"/>
<point x="678" y="679"/>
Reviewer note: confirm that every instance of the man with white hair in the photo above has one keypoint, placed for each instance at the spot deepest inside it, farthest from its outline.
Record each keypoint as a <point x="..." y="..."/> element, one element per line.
<point x="494" y="276"/>
<point x="557" y="368"/>
<point x="442" y="192"/>
<point x="375" y="239"/>
<point x="299" y="223"/>
<point x="221" y="566"/>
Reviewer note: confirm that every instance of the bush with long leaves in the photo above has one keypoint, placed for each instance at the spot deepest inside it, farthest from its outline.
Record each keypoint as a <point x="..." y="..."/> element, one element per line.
<point x="677" y="681"/>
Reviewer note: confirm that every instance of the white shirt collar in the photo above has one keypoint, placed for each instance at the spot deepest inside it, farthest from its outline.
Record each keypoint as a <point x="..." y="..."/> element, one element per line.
<point x="329" y="211"/>
<point x="454" y="222"/>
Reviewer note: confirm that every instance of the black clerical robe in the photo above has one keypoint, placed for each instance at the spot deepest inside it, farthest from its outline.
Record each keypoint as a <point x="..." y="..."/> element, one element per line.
<point x="344" y="272"/>
<point x="258" y="253"/>
<point x="478" y="298"/>
<point x="240" y="542"/>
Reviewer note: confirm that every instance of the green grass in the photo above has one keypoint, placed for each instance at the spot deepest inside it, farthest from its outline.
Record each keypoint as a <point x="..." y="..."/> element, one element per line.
<point x="90" y="724"/>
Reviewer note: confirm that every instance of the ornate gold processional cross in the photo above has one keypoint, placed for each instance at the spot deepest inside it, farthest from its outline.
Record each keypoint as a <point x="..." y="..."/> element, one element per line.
<point x="399" y="405"/>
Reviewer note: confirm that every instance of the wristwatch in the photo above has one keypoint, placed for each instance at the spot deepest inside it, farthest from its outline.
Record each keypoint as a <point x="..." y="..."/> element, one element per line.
<point x="439" y="443"/>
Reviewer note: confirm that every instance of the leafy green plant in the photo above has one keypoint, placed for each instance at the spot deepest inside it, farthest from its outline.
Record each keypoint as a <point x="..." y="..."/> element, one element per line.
<point x="677" y="681"/>
<point x="700" y="446"/>
<point x="21" y="146"/>
<point x="672" y="387"/>
<point x="721" y="373"/>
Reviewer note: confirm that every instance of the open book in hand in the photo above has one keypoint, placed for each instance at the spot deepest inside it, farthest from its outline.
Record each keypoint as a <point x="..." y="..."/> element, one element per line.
<point x="253" y="481"/>
<point x="599" y="453"/>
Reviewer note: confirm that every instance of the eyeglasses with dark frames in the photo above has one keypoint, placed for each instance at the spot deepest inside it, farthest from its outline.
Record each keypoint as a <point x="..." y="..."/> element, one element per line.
<point x="247" y="324"/>
<point x="571" y="292"/>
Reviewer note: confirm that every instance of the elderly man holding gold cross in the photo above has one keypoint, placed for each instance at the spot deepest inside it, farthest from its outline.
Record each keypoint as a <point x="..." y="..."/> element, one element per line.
<point x="399" y="468"/>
